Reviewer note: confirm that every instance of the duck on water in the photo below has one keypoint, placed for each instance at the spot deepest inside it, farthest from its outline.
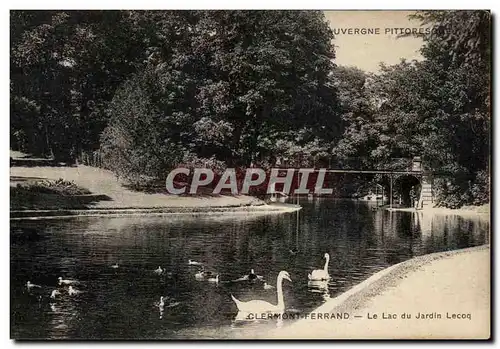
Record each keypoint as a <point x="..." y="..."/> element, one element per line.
<point x="159" y="271"/>
<point x="250" y="277"/>
<point x="190" y="262"/>
<point x="29" y="285"/>
<point x="73" y="291"/>
<point x="67" y="281"/>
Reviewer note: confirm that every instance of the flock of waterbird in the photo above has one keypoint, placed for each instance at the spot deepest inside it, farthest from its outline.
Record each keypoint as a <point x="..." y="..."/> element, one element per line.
<point x="251" y="306"/>
<point x="71" y="287"/>
<point x="260" y="306"/>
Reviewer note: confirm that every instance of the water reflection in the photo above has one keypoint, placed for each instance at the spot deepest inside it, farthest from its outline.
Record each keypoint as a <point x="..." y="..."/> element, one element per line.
<point x="119" y="302"/>
<point x="320" y="287"/>
<point x="257" y="321"/>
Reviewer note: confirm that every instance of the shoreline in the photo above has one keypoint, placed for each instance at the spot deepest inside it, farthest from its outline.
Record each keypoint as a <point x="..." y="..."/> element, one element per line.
<point x="108" y="195"/>
<point x="467" y="211"/>
<point x="210" y="205"/>
<point x="381" y="290"/>
<point x="153" y="211"/>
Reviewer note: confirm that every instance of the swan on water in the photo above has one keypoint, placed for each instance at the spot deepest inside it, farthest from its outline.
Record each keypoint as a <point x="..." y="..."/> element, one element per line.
<point x="258" y="306"/>
<point x="54" y="293"/>
<point x="321" y="274"/>
<point x="159" y="271"/>
<point x="190" y="262"/>
<point x="66" y="281"/>
<point x="267" y="286"/>
<point x="73" y="291"/>
<point x="115" y="266"/>
<point x="30" y="285"/>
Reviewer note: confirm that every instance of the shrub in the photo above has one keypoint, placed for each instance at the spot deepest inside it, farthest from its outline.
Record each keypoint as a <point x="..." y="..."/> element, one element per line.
<point x="59" y="186"/>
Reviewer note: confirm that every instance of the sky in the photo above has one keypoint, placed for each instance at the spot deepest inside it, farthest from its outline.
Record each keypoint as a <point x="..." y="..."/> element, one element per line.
<point x="366" y="51"/>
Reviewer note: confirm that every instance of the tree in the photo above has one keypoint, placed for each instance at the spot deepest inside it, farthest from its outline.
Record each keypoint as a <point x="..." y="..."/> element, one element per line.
<point x="65" y="68"/>
<point x="266" y="74"/>
<point x="228" y="85"/>
<point x="357" y="106"/>
<point x="152" y="114"/>
<point x="437" y="108"/>
<point x="459" y="52"/>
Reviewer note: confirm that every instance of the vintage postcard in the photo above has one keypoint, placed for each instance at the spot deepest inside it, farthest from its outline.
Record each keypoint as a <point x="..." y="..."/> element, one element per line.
<point x="250" y="174"/>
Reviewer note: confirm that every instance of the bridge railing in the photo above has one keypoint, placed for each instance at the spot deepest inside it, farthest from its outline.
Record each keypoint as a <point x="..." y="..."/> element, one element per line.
<point x="354" y="163"/>
<point x="394" y="164"/>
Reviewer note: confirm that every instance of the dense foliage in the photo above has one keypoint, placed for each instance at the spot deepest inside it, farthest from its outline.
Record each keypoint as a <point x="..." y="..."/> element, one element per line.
<point x="234" y="88"/>
<point x="151" y="90"/>
<point x="438" y="108"/>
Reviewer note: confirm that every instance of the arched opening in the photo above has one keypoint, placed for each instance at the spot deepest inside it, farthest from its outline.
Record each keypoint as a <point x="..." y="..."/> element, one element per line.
<point x="407" y="187"/>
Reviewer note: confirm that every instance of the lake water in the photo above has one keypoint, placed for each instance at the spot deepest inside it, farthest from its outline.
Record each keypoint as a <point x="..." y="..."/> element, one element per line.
<point x="119" y="303"/>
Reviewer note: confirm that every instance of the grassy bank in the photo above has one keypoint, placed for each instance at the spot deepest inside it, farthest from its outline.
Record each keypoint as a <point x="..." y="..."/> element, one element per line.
<point x="33" y="187"/>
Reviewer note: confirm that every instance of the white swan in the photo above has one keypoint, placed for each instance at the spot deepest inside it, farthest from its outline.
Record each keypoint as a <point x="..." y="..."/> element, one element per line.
<point x="67" y="281"/>
<point x="258" y="306"/>
<point x="29" y="285"/>
<point x="54" y="293"/>
<point x="73" y="291"/>
<point x="115" y="266"/>
<point x="190" y="262"/>
<point x="321" y="274"/>
<point x="267" y="286"/>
